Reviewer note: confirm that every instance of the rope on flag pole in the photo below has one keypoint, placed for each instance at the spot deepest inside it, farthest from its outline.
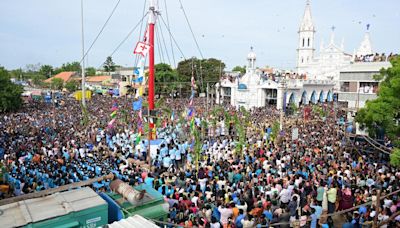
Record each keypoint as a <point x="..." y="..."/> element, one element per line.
<point x="142" y="48"/>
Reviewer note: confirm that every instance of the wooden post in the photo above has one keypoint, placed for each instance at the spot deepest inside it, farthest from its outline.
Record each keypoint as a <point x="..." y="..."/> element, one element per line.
<point x="377" y="207"/>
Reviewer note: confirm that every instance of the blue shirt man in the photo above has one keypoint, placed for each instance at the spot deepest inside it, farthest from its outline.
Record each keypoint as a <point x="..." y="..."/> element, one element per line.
<point x="238" y="220"/>
<point x="178" y="155"/>
<point x="149" y="181"/>
<point x="167" y="161"/>
<point x="164" y="151"/>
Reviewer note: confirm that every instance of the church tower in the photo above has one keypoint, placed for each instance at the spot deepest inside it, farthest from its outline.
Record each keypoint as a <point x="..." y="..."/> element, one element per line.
<point x="365" y="46"/>
<point x="305" y="50"/>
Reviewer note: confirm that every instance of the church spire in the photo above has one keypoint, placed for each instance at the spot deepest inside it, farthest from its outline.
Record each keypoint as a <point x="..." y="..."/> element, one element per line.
<point x="305" y="50"/>
<point x="332" y="39"/>
<point x="365" y="46"/>
<point x="307" y="23"/>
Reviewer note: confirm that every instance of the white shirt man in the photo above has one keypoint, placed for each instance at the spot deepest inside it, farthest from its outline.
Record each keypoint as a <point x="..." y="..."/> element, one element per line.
<point x="225" y="214"/>
<point x="284" y="195"/>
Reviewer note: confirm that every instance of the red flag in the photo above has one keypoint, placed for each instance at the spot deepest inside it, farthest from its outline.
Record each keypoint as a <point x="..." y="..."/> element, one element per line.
<point x="142" y="48"/>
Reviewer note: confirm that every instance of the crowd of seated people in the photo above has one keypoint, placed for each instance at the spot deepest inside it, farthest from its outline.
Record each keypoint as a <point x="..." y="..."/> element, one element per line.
<point x="375" y="57"/>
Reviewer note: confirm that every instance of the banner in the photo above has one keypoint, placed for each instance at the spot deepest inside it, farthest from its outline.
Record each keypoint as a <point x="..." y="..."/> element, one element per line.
<point x="137" y="105"/>
<point x="142" y="49"/>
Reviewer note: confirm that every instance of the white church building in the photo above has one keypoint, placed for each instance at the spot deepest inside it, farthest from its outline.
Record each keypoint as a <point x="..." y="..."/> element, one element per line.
<point x="254" y="90"/>
<point x="321" y="72"/>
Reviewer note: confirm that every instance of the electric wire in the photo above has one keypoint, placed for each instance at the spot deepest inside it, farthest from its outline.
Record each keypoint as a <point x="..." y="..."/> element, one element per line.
<point x="101" y="30"/>
<point x="140" y="31"/>
<point x="160" y="50"/>
<point x="169" y="31"/>
<point x="127" y="36"/>
<point x="170" y="39"/>
<point x="163" y="42"/>
<point x="191" y="30"/>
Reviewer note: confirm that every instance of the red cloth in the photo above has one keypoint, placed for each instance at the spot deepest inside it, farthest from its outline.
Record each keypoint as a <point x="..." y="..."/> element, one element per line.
<point x="346" y="202"/>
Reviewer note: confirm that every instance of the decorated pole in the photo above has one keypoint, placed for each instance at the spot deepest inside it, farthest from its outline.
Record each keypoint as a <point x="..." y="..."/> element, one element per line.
<point x="83" y="60"/>
<point x="152" y="21"/>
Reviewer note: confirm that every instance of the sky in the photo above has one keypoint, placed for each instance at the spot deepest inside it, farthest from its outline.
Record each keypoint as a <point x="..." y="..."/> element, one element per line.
<point x="49" y="31"/>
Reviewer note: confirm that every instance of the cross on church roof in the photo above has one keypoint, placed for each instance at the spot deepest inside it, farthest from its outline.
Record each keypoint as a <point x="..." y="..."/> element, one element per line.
<point x="368" y="25"/>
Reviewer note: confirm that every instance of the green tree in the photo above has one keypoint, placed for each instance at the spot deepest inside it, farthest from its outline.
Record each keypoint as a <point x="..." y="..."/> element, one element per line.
<point x="74" y="66"/>
<point x="395" y="157"/>
<point x="109" y="65"/>
<point x="384" y="112"/>
<point x="275" y="130"/>
<point x="212" y="69"/>
<point x="205" y="70"/>
<point x="90" y="71"/>
<point x="38" y="80"/>
<point x="165" y="79"/>
<point x="29" y="72"/>
<point x="32" y="68"/>
<point x="57" y="83"/>
<point x="72" y="86"/>
<point x="10" y="93"/>
<point x="240" y="69"/>
<point x="197" y="149"/>
<point x="46" y="71"/>
<point x="241" y="134"/>
<point x="17" y="73"/>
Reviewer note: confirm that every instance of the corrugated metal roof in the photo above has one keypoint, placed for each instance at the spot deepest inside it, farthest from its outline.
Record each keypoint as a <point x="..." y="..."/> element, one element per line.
<point x="39" y="209"/>
<point x="134" y="221"/>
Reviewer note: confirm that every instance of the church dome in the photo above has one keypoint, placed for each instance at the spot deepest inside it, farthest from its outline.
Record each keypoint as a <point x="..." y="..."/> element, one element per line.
<point x="242" y="86"/>
<point x="252" y="55"/>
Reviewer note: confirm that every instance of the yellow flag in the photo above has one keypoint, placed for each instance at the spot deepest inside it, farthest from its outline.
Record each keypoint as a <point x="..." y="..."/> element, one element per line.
<point x="140" y="90"/>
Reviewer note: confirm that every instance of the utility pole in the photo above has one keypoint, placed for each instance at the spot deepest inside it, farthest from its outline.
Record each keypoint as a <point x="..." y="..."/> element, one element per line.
<point x="207" y="97"/>
<point x="377" y="208"/>
<point x="283" y="88"/>
<point x="218" y="86"/>
<point x="83" y="59"/>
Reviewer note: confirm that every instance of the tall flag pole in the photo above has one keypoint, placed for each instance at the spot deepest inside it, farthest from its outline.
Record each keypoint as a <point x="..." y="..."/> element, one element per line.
<point x="144" y="48"/>
<point x="83" y="59"/>
<point x="152" y="21"/>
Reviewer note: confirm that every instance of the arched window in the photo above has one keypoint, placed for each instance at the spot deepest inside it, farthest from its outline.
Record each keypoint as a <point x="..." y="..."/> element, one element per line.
<point x="303" y="42"/>
<point x="308" y="42"/>
<point x="302" y="60"/>
<point x="307" y="58"/>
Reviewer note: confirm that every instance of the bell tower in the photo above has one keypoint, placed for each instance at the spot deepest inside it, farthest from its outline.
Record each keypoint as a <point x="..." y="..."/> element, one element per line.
<point x="305" y="50"/>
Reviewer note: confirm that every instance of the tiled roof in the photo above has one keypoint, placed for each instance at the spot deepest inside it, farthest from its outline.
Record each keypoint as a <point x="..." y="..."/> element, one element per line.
<point x="65" y="76"/>
<point x="98" y="78"/>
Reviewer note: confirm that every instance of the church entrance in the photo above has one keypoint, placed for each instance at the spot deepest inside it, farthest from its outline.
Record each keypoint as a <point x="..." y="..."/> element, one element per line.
<point x="271" y="96"/>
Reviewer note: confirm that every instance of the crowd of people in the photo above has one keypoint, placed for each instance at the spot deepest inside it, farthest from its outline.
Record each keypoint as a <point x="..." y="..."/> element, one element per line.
<point x="276" y="179"/>
<point x="375" y="57"/>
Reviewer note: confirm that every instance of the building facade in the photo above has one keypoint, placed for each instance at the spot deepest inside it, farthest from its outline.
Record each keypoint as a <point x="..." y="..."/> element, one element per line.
<point x="254" y="89"/>
<point x="332" y="57"/>
<point x="357" y="83"/>
<point x="332" y="71"/>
